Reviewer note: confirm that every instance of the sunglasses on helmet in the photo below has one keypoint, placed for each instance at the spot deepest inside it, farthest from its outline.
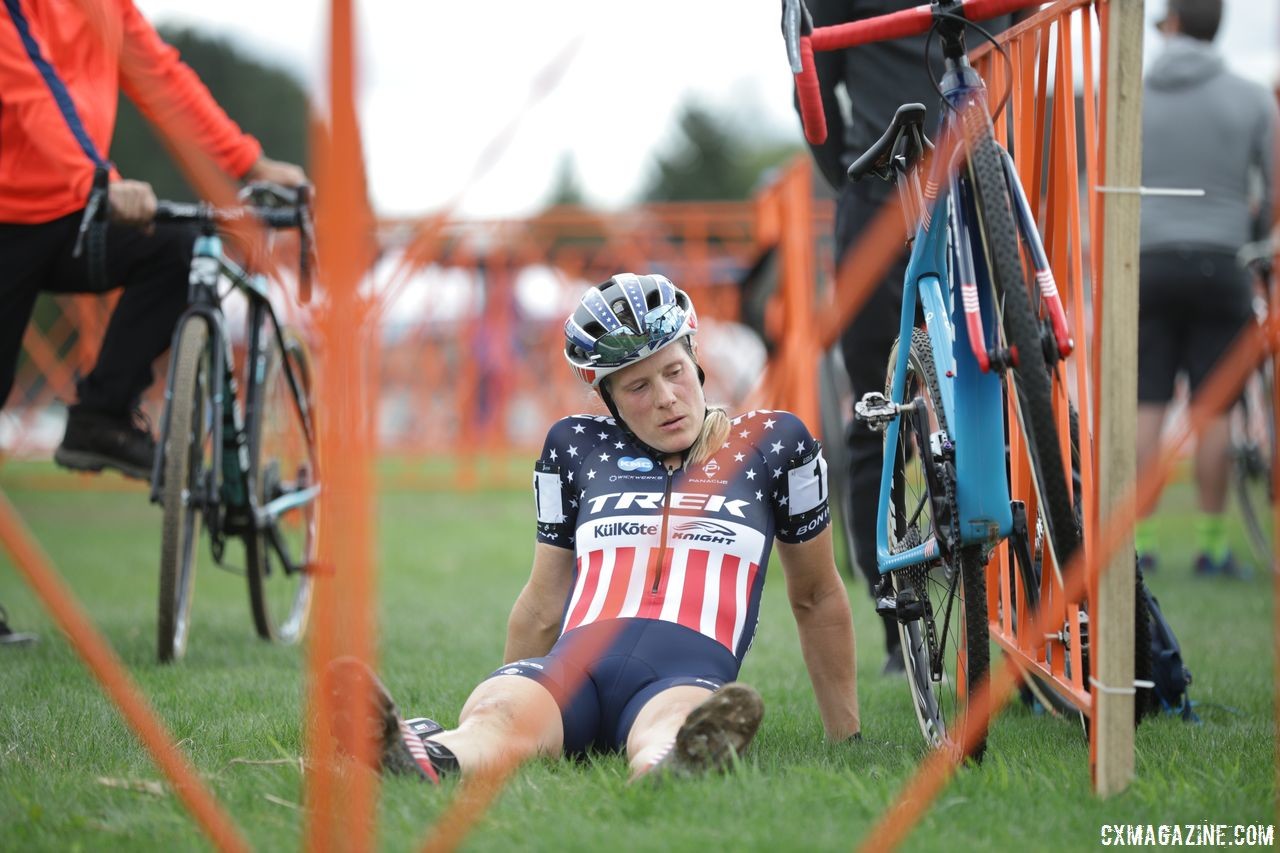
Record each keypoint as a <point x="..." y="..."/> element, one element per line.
<point x="624" y="343"/>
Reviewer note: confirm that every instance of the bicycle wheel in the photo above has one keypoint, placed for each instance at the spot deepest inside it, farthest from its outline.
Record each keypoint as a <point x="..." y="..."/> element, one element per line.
<point x="1253" y="435"/>
<point x="187" y="466"/>
<point x="1021" y="327"/>
<point x="280" y="555"/>
<point x="946" y="649"/>
<point x="832" y="393"/>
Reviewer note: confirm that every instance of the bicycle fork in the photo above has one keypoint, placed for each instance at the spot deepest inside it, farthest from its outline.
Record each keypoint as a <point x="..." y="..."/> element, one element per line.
<point x="1061" y="345"/>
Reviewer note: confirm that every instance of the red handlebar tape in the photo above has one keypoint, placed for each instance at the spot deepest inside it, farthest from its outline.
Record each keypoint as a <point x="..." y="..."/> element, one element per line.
<point x="810" y="95"/>
<point x="907" y="22"/>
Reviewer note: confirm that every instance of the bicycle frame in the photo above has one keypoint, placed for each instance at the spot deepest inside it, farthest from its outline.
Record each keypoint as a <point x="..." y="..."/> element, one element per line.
<point x="233" y="481"/>
<point x="961" y="324"/>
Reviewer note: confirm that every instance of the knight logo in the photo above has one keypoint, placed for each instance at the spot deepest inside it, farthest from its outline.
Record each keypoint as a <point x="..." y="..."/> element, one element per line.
<point x="704" y="531"/>
<point x="711" y="469"/>
<point x="626" y="463"/>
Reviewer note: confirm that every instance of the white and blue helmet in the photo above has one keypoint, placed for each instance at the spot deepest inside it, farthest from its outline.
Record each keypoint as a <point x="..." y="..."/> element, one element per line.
<point x="626" y="319"/>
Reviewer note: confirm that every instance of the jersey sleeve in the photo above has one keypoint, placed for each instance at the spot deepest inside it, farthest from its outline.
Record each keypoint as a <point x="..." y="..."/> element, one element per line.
<point x="800" y="493"/>
<point x="171" y="96"/>
<point x="555" y="495"/>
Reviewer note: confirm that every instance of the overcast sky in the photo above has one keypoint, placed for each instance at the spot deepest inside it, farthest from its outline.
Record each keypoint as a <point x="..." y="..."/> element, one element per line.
<point x="440" y="81"/>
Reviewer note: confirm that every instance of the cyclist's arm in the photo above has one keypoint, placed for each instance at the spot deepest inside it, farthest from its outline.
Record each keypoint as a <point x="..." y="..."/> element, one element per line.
<point x="534" y="624"/>
<point x="171" y="97"/>
<point x="32" y="116"/>
<point x="1265" y="155"/>
<point x="829" y="66"/>
<point x="821" y="608"/>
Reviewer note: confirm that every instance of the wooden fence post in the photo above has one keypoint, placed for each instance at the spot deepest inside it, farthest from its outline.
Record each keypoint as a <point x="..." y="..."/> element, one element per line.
<point x="1118" y="394"/>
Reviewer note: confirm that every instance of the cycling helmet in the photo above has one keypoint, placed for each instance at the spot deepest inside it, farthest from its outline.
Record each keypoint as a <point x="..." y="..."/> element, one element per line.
<point x="627" y="318"/>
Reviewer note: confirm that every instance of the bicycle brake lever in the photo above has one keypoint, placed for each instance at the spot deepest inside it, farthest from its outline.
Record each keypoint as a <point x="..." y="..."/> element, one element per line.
<point x="796" y="22"/>
<point x="269" y="194"/>
<point x="306" y="244"/>
<point x="95" y="210"/>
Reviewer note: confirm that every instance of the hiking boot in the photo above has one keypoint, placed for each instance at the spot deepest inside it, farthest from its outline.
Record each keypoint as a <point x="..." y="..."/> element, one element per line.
<point x="401" y="752"/>
<point x="715" y="733"/>
<point x="95" y="440"/>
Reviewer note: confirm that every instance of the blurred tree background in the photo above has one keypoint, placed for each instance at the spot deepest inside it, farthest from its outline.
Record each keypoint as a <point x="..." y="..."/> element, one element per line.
<point x="265" y="101"/>
<point x="712" y="159"/>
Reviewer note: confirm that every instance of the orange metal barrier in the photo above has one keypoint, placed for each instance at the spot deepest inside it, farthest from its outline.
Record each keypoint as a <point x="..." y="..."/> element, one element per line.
<point x="705" y="251"/>
<point x="466" y="325"/>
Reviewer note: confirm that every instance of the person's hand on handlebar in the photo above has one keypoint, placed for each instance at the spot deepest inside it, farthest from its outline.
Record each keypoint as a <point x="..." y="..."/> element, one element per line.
<point x="276" y="172"/>
<point x="131" y="202"/>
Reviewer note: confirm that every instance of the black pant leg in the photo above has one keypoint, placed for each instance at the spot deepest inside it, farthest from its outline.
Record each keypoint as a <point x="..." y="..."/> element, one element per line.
<point x="27" y="255"/>
<point x="865" y="345"/>
<point x="153" y="270"/>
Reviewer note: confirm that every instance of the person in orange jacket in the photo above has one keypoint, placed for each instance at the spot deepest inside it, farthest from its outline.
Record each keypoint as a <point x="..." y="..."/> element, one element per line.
<point x="62" y="67"/>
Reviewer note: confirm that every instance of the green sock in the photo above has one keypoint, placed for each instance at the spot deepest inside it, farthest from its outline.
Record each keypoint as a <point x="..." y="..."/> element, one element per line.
<point x="1211" y="535"/>
<point x="1144" y="537"/>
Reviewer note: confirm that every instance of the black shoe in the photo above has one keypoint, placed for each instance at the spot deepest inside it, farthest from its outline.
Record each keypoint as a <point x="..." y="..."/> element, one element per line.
<point x="10" y="637"/>
<point x="893" y="662"/>
<point x="95" y="440"/>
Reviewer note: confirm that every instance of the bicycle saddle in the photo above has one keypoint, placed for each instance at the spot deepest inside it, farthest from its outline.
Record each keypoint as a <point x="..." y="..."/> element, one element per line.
<point x="878" y="159"/>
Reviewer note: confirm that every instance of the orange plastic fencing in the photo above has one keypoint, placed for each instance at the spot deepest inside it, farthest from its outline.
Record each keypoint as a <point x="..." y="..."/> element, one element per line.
<point x="706" y="250"/>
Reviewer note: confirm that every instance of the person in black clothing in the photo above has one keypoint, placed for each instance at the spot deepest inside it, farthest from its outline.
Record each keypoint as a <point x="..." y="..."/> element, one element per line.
<point x="61" y="81"/>
<point x="861" y="90"/>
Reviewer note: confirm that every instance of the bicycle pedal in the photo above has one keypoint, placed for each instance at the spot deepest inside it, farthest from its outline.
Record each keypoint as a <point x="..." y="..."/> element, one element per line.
<point x="877" y="411"/>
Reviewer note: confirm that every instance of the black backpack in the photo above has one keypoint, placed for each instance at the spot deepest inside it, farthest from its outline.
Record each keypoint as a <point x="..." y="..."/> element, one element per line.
<point x="1169" y="675"/>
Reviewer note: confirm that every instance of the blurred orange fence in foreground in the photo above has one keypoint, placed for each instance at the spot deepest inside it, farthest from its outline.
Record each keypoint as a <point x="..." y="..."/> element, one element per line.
<point x="468" y="323"/>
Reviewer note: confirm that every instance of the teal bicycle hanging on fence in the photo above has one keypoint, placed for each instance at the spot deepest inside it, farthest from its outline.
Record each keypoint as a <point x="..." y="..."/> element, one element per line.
<point x="945" y="500"/>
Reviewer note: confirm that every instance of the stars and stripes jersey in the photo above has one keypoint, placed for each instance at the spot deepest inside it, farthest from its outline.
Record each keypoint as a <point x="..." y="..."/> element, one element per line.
<point x="688" y="546"/>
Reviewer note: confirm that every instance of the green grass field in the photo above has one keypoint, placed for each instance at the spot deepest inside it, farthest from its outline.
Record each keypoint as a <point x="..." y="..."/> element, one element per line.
<point x="449" y="566"/>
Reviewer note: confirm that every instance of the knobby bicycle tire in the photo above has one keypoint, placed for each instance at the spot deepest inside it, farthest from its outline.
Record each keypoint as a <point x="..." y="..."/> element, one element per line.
<point x="962" y="630"/>
<point x="1021" y="326"/>
<point x="1253" y="441"/>
<point x="836" y="451"/>
<point x="280" y="600"/>
<point x="183" y="476"/>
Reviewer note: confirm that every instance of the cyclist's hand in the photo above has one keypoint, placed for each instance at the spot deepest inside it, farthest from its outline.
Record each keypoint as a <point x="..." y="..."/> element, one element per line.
<point x="276" y="172"/>
<point x="131" y="202"/>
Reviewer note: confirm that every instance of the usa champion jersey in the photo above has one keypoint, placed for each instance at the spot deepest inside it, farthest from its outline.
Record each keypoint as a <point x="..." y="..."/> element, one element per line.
<point x="688" y="546"/>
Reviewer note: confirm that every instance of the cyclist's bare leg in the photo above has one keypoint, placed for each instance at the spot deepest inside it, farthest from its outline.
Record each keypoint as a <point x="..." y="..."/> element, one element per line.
<point x="657" y="723"/>
<point x="1150" y="425"/>
<point x="1212" y="465"/>
<point x="507" y="719"/>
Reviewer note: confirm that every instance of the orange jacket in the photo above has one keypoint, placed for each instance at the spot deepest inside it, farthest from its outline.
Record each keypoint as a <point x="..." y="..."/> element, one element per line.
<point x="60" y="76"/>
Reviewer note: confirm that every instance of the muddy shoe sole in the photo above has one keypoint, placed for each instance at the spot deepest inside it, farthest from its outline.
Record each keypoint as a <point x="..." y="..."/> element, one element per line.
<point x="87" y="460"/>
<point x="400" y="750"/>
<point x="715" y="733"/>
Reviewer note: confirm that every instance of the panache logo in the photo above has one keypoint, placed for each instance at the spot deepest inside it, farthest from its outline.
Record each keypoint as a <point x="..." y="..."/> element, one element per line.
<point x="626" y="463"/>
<point x="703" y="530"/>
<point x="711" y="469"/>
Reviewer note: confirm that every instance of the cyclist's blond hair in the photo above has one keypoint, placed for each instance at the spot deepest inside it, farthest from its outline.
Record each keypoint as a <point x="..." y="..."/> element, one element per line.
<point x="715" y="429"/>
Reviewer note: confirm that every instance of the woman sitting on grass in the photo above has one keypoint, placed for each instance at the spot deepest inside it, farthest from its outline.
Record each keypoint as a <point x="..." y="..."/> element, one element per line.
<point x="654" y="529"/>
